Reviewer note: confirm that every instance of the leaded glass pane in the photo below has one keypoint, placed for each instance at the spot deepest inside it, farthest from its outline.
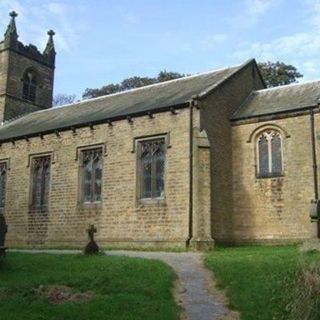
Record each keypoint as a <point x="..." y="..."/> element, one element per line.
<point x="37" y="187"/>
<point x="263" y="156"/>
<point x="92" y="175"/>
<point x="152" y="162"/>
<point x="87" y="181"/>
<point x="41" y="183"/>
<point x="146" y="174"/>
<point x="46" y="176"/>
<point x="159" y="161"/>
<point x="98" y="179"/>
<point x="276" y="154"/>
<point x="3" y="177"/>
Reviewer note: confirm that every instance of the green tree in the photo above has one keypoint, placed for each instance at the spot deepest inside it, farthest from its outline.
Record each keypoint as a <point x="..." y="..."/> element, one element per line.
<point x="130" y="83"/>
<point x="274" y="74"/>
<point x="278" y="73"/>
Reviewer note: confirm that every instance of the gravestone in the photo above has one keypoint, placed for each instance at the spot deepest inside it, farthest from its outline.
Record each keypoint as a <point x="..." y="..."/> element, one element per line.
<point x="91" y="247"/>
<point x="3" y="231"/>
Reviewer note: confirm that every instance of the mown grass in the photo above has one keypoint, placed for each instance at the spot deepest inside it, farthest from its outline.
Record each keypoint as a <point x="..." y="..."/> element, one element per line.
<point x="260" y="282"/>
<point x="125" y="288"/>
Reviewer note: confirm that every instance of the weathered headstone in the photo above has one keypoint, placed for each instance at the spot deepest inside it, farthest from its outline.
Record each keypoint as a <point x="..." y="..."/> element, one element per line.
<point x="3" y="231"/>
<point x="91" y="247"/>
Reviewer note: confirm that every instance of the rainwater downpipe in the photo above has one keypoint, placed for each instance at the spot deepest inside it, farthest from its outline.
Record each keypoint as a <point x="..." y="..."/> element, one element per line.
<point x="315" y="168"/>
<point x="190" y="234"/>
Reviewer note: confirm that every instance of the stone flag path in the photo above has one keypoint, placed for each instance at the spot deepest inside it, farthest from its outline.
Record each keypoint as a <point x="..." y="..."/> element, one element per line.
<point x="194" y="290"/>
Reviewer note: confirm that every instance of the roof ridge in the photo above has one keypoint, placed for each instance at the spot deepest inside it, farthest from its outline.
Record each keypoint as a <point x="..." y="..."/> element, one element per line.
<point x="199" y="74"/>
<point x="286" y="86"/>
<point x="167" y="94"/>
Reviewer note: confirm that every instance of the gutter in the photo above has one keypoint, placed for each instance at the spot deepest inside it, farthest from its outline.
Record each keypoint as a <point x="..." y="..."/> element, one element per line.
<point x="271" y="114"/>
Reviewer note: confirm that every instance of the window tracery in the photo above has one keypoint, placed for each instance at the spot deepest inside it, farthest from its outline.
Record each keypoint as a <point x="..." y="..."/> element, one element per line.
<point x="269" y="154"/>
<point x="151" y="157"/>
<point x="40" y="183"/>
<point x="91" y="175"/>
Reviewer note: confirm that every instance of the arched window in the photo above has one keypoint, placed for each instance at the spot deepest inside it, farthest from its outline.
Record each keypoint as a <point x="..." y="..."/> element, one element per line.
<point x="269" y="154"/>
<point x="29" y="85"/>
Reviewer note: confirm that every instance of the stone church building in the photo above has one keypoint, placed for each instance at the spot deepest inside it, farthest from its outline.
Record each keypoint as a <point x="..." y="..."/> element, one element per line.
<point x="213" y="157"/>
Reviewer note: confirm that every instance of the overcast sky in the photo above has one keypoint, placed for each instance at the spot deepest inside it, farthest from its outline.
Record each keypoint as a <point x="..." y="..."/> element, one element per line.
<point x="103" y="41"/>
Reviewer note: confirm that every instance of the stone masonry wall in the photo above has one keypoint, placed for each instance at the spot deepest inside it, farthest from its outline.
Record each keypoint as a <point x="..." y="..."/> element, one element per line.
<point x="2" y="106"/>
<point x="17" y="66"/>
<point x="215" y="112"/>
<point x="3" y="81"/>
<point x="120" y="219"/>
<point x="274" y="209"/>
<point x="12" y="68"/>
<point x="3" y="71"/>
<point x="201" y="220"/>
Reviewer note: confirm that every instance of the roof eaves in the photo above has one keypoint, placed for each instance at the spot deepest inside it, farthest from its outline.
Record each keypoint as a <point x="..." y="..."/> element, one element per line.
<point x="234" y="119"/>
<point x="97" y="122"/>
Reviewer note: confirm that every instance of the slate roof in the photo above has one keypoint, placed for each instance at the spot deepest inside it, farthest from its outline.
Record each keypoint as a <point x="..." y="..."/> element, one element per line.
<point x="135" y="102"/>
<point x="280" y="100"/>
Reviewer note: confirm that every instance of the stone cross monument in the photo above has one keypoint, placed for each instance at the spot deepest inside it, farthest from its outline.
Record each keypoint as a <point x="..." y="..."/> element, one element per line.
<point x="91" y="247"/>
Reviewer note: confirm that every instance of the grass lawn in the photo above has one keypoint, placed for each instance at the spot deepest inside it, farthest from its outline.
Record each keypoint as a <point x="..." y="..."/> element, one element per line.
<point x="258" y="280"/>
<point x="120" y="287"/>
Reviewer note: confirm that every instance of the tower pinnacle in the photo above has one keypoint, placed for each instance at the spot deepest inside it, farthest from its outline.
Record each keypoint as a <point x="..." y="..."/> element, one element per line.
<point x="11" y="35"/>
<point x="49" y="51"/>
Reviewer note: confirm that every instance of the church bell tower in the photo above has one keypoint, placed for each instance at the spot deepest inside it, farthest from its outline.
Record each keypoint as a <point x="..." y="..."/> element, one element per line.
<point x="26" y="75"/>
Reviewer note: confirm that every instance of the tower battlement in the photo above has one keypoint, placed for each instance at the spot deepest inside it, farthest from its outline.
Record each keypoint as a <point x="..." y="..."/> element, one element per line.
<point x="30" y="51"/>
<point x="11" y="42"/>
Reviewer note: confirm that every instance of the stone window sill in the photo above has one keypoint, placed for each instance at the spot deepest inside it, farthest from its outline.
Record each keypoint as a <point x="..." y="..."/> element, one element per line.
<point x="94" y="207"/>
<point x="151" y="201"/>
<point x="270" y="176"/>
<point x="39" y="211"/>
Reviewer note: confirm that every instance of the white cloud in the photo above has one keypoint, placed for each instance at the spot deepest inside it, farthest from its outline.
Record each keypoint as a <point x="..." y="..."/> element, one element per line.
<point x="299" y="45"/>
<point x="315" y="13"/>
<point x="301" y="49"/>
<point x="252" y="11"/>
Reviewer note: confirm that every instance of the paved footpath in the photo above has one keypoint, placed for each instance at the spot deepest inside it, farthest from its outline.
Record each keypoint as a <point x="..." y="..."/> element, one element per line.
<point x="194" y="290"/>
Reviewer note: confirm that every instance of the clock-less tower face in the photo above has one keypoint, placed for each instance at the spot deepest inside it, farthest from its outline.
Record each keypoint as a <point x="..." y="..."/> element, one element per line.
<point x="26" y="75"/>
